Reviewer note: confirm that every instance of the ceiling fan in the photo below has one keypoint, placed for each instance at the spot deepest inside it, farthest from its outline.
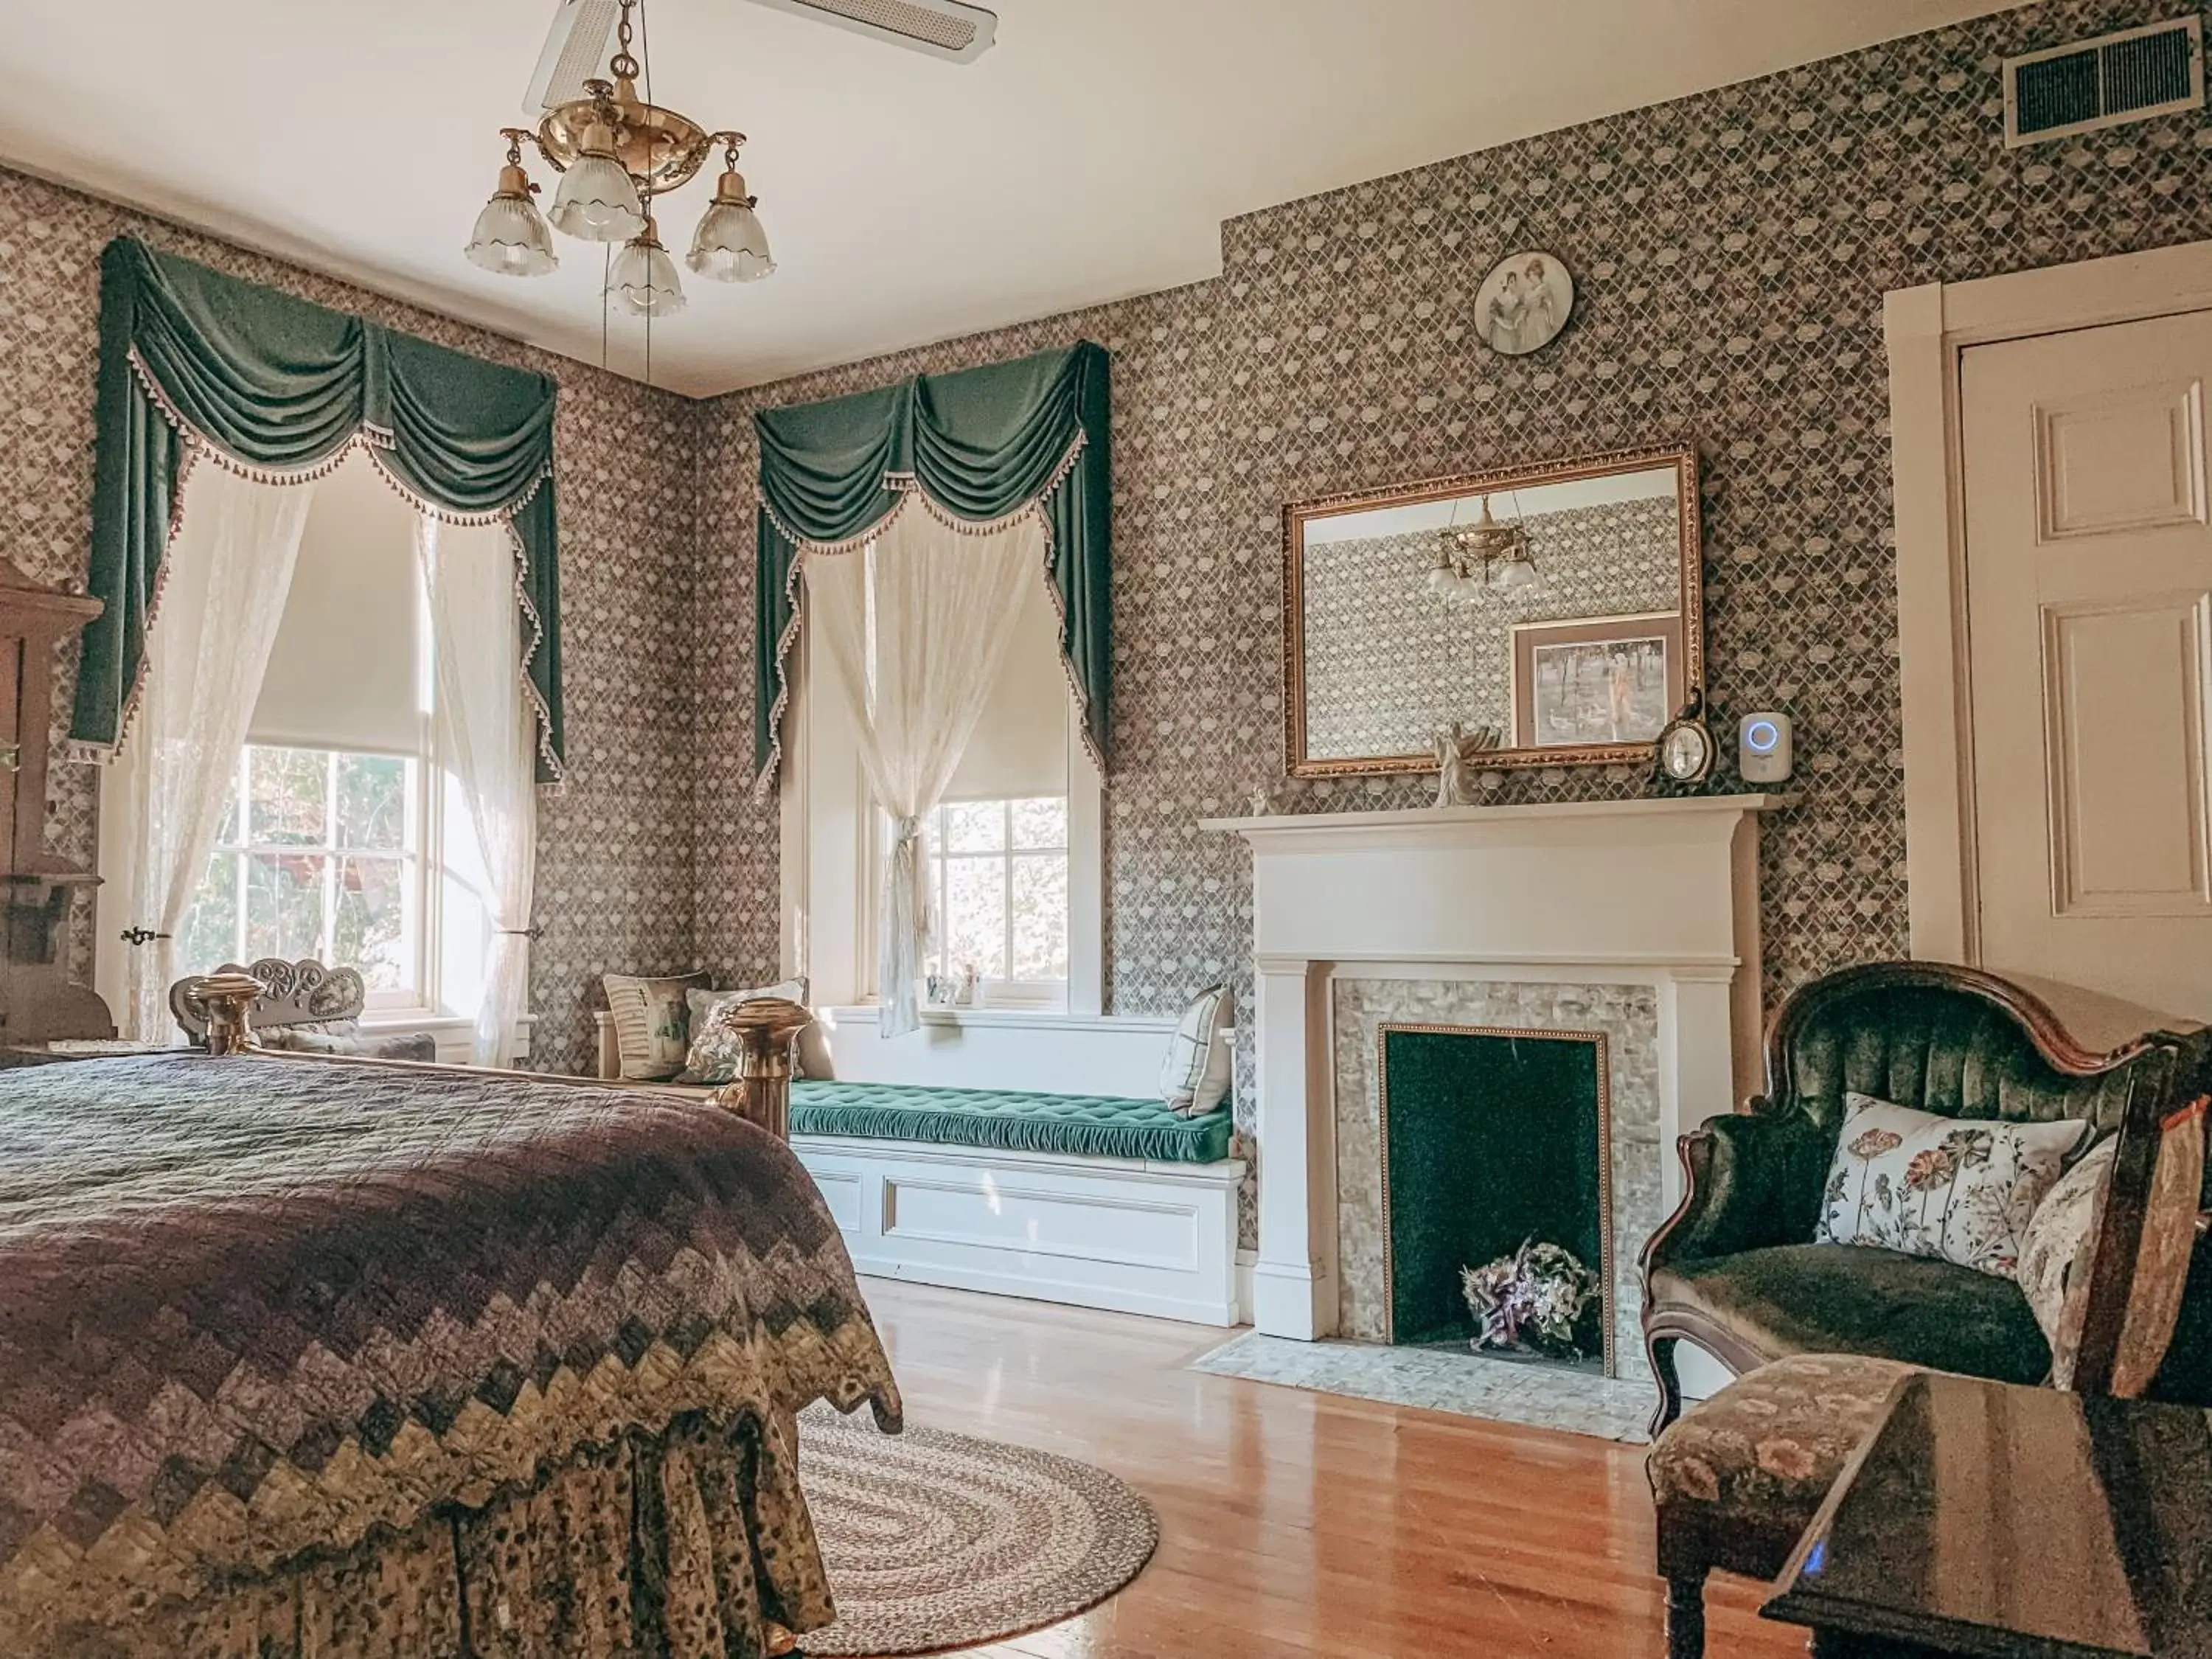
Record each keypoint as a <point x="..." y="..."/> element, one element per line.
<point x="577" y="45"/>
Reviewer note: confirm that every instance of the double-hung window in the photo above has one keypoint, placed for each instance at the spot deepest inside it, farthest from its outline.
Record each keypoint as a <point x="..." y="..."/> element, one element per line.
<point x="997" y="893"/>
<point x="321" y="854"/>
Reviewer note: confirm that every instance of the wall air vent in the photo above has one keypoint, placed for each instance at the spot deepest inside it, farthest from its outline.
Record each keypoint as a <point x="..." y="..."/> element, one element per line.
<point x="958" y="33"/>
<point x="2104" y="83"/>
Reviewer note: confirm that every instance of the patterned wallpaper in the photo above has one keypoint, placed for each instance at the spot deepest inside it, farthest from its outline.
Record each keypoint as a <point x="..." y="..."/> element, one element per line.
<point x="1389" y="663"/>
<point x="1731" y="251"/>
<point x="615" y="855"/>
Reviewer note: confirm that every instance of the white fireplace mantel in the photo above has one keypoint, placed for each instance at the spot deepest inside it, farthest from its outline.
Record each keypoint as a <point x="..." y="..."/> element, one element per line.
<point x="1660" y="893"/>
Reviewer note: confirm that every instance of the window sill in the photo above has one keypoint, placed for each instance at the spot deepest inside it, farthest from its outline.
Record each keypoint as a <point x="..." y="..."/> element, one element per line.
<point x="1018" y="1019"/>
<point x="385" y="1021"/>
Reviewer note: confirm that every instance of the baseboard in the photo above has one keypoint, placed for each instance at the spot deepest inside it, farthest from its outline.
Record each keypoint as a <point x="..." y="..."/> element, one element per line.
<point x="1036" y="1287"/>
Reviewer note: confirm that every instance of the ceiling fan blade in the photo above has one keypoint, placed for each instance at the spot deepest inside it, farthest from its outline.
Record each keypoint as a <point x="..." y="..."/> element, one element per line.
<point x="575" y="50"/>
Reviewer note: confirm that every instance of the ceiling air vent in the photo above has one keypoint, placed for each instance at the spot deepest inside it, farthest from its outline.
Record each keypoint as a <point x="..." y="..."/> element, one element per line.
<point x="944" y="28"/>
<point x="2104" y="83"/>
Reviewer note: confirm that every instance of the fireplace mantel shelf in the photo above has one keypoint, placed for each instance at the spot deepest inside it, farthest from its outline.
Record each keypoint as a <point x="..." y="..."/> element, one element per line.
<point x="1446" y="823"/>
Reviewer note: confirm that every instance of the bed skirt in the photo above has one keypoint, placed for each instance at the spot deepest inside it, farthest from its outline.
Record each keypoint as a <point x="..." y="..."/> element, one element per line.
<point x="682" y="1545"/>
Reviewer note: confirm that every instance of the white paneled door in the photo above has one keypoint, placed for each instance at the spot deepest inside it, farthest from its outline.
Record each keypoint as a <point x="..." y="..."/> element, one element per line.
<point x="2089" y="623"/>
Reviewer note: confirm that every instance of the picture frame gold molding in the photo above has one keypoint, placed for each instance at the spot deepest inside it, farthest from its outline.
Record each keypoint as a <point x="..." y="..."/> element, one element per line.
<point x="1682" y="457"/>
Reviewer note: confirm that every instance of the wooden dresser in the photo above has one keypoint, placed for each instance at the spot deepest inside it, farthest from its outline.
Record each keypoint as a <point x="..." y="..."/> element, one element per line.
<point x="38" y="1001"/>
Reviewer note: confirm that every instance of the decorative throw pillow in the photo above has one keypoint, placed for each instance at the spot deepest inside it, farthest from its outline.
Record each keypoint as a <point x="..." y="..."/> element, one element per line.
<point x="651" y="1027"/>
<point x="1956" y="1189"/>
<point x="2061" y="1236"/>
<point x="1195" y="1078"/>
<point x="716" y="1054"/>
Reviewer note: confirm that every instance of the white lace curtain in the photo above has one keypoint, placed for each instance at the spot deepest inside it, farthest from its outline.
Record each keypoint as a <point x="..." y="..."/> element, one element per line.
<point x="914" y="628"/>
<point x="484" y="736"/>
<point x="228" y="573"/>
<point x="223" y="599"/>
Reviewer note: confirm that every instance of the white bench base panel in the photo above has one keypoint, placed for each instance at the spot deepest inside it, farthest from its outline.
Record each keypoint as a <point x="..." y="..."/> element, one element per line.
<point x="1097" y="1232"/>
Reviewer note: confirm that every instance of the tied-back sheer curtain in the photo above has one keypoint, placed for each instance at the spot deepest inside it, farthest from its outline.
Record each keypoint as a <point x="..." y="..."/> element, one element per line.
<point x="483" y="733"/>
<point x="223" y="599"/>
<point x="913" y="627"/>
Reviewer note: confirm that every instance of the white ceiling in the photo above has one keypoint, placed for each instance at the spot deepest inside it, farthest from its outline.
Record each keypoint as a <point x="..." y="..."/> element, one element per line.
<point x="1091" y="154"/>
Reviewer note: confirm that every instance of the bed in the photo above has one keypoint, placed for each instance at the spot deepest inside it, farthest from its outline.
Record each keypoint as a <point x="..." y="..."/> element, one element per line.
<point x="305" y="1356"/>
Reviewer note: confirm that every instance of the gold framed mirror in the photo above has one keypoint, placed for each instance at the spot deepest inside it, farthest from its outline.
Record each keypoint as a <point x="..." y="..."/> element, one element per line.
<point x="1548" y="616"/>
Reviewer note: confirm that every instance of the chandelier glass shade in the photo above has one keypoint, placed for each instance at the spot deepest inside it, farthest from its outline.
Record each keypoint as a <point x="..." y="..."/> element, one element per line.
<point x="597" y="201"/>
<point x="615" y="152"/>
<point x="730" y="245"/>
<point x="643" y="278"/>
<point x="512" y="237"/>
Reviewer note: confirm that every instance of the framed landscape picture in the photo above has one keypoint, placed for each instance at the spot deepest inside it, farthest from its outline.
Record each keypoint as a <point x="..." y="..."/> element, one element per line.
<point x="1598" y="681"/>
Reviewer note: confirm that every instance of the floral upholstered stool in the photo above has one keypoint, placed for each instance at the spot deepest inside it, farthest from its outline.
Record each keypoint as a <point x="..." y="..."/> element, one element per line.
<point x="1737" y="1479"/>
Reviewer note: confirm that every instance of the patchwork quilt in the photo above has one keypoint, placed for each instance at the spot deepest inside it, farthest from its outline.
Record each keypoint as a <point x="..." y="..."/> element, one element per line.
<point x="261" y="1312"/>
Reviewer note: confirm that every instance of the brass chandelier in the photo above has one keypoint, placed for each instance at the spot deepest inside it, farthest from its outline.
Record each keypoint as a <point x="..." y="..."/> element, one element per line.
<point x="1473" y="558"/>
<point x="614" y="152"/>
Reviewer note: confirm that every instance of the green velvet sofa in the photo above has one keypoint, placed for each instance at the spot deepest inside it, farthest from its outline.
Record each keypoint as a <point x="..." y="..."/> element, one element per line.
<point x="1735" y="1269"/>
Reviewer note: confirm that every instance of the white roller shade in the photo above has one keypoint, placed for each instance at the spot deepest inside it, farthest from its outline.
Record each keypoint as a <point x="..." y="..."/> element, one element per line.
<point x="345" y="672"/>
<point x="1020" y="746"/>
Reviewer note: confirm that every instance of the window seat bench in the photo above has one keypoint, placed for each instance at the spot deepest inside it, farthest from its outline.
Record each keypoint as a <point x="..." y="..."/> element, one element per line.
<point x="1083" y="1198"/>
<point x="1098" y="1201"/>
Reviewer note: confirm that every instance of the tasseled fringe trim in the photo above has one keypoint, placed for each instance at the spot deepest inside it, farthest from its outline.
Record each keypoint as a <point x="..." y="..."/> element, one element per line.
<point x="370" y="439"/>
<point x="909" y="490"/>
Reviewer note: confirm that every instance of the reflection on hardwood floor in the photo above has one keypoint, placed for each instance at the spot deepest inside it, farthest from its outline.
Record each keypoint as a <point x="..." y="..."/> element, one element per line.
<point x="1297" y="1524"/>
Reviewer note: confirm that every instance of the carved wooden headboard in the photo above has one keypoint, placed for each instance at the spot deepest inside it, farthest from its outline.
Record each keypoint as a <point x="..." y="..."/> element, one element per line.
<point x="291" y="994"/>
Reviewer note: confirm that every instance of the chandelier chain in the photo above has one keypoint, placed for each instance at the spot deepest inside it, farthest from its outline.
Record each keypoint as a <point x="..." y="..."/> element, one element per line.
<point x="625" y="66"/>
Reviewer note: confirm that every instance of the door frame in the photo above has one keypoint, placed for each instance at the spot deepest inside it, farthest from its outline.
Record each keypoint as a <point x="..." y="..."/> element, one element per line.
<point x="1925" y="330"/>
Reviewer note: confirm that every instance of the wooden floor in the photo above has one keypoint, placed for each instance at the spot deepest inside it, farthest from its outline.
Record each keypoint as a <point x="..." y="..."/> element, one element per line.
<point x="1299" y="1524"/>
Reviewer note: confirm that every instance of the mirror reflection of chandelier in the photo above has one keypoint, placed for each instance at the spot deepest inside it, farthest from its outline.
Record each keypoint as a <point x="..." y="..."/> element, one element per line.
<point x="1472" y="559"/>
<point x="614" y="152"/>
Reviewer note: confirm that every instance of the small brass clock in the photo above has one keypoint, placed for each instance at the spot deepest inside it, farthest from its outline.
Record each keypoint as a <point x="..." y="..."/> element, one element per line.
<point x="1686" y="745"/>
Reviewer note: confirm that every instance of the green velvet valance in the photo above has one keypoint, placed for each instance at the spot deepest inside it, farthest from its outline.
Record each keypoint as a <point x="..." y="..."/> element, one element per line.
<point x="981" y="445"/>
<point x="274" y="385"/>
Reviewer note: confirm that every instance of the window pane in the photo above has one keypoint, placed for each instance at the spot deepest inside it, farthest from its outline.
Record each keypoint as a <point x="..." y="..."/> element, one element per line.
<point x="291" y="789"/>
<point x="284" y="905"/>
<point x="209" y="933"/>
<point x="1039" y="884"/>
<point x="371" y="929"/>
<point x="974" y="925"/>
<point x="974" y="826"/>
<point x="1041" y="823"/>
<point x="371" y="802"/>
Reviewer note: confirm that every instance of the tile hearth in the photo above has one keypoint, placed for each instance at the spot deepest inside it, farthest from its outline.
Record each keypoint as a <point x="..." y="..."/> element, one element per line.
<point x="1465" y="1385"/>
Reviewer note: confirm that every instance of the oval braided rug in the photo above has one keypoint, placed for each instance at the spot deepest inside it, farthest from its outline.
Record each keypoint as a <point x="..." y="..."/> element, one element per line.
<point x="935" y="1541"/>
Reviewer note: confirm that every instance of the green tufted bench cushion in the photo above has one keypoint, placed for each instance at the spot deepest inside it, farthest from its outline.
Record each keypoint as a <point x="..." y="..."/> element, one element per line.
<point x="1004" y="1119"/>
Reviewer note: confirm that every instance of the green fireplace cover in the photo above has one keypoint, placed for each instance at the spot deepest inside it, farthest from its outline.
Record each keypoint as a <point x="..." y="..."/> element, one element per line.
<point x="1094" y="1126"/>
<point x="1492" y="1139"/>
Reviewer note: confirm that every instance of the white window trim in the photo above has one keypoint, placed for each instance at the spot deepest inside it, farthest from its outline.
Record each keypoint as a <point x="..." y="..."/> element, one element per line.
<point x="832" y="857"/>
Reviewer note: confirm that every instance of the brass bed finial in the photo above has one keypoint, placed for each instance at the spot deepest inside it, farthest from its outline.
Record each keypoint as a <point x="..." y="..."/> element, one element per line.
<point x="763" y="1090"/>
<point x="229" y="999"/>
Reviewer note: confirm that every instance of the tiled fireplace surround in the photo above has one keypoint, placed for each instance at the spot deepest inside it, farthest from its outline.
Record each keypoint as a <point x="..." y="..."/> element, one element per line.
<point x="1635" y="919"/>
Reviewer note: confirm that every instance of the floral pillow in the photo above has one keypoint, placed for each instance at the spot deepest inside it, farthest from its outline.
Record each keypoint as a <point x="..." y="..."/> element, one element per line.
<point x="2055" y="1251"/>
<point x="717" y="1052"/>
<point x="1960" y="1190"/>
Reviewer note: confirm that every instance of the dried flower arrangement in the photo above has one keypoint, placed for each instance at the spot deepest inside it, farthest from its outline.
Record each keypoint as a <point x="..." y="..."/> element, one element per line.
<point x="1538" y="1298"/>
